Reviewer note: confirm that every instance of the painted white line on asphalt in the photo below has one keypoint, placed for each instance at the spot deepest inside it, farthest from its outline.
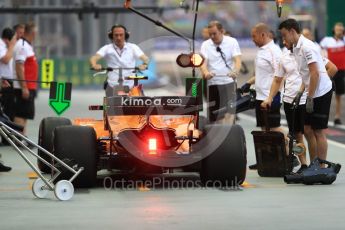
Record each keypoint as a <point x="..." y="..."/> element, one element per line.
<point x="283" y="121"/>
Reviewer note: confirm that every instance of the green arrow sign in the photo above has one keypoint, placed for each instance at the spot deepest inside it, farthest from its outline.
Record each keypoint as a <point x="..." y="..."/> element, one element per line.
<point x="60" y="96"/>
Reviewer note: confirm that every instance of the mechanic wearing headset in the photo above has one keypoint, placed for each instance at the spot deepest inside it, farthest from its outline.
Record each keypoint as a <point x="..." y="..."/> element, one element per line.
<point x="119" y="53"/>
<point x="221" y="67"/>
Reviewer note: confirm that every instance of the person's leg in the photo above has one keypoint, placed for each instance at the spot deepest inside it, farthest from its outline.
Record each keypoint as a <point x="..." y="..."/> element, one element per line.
<point x="321" y="142"/>
<point x="21" y="121"/>
<point x="337" y="107"/>
<point x="339" y="83"/>
<point x="302" y="157"/>
<point x="311" y="141"/>
<point x="320" y="123"/>
<point x="212" y="102"/>
<point x="227" y="94"/>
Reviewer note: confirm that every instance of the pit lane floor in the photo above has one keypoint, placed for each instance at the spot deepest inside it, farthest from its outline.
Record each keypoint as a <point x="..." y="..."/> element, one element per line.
<point x="263" y="203"/>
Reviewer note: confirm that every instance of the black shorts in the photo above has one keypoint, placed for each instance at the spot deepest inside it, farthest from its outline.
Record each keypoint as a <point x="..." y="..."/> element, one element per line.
<point x="7" y="101"/>
<point x="24" y="108"/>
<point x="318" y="119"/>
<point x="218" y="97"/>
<point x="299" y="117"/>
<point x="273" y="116"/>
<point x="339" y="82"/>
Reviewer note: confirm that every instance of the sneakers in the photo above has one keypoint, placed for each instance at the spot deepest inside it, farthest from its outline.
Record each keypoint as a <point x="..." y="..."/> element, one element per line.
<point x="295" y="161"/>
<point x="253" y="167"/>
<point x="4" y="168"/>
<point x="301" y="169"/>
<point x="337" y="121"/>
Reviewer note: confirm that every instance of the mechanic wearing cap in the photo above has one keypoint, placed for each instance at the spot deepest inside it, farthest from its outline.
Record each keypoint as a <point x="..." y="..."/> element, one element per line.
<point x="316" y="83"/>
<point x="119" y="53"/>
<point x="220" y="69"/>
<point x="333" y="45"/>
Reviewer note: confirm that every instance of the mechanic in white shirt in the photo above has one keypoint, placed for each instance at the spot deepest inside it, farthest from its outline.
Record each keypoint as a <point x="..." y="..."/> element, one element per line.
<point x="7" y="42"/>
<point x="308" y="34"/>
<point x="119" y="53"/>
<point x="221" y="68"/>
<point x="26" y="71"/>
<point x="288" y="71"/>
<point x="337" y="41"/>
<point x="316" y="83"/>
<point x="292" y="83"/>
<point x="266" y="64"/>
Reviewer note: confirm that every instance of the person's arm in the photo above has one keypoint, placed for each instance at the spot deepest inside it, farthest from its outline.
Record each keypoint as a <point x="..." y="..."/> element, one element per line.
<point x="93" y="62"/>
<point x="331" y="69"/>
<point x="237" y="66"/>
<point x="276" y="83"/>
<point x="145" y="63"/>
<point x="314" y="79"/>
<point x="251" y="80"/>
<point x="9" y="54"/>
<point x="204" y="71"/>
<point x="20" y="76"/>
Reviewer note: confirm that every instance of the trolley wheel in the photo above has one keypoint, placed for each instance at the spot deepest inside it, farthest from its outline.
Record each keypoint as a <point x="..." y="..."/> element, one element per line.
<point x="45" y="139"/>
<point x="38" y="188"/>
<point x="64" y="190"/>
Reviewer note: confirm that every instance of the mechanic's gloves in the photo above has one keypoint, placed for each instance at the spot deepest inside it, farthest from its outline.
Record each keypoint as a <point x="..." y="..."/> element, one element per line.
<point x="310" y="105"/>
<point x="233" y="74"/>
<point x="245" y="88"/>
<point x="143" y="67"/>
<point x="297" y="98"/>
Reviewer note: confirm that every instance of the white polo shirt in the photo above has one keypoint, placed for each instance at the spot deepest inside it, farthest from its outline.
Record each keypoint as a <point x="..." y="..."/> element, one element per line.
<point x="305" y="53"/>
<point x="288" y="68"/>
<point x="6" y="70"/>
<point x="266" y="64"/>
<point x="115" y="57"/>
<point x="22" y="51"/>
<point x="215" y="64"/>
<point x="331" y="42"/>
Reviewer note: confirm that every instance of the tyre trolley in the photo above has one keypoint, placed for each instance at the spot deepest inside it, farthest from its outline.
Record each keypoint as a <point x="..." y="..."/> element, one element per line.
<point x="63" y="189"/>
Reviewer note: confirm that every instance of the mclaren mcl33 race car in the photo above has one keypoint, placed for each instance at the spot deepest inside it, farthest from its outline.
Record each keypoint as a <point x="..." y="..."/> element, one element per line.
<point x="140" y="134"/>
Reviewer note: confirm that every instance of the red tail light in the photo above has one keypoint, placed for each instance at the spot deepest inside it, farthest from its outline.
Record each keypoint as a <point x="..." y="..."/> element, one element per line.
<point x="152" y="146"/>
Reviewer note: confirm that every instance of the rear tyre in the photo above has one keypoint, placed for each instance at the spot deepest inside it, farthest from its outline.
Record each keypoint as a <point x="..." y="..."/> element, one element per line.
<point x="45" y="139"/>
<point x="77" y="146"/>
<point x="226" y="166"/>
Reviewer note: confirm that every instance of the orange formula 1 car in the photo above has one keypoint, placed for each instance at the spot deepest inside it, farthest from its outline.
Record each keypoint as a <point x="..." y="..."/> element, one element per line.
<point x="140" y="134"/>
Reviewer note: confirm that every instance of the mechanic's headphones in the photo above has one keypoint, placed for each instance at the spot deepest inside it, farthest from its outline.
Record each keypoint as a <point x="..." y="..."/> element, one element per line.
<point x="110" y="33"/>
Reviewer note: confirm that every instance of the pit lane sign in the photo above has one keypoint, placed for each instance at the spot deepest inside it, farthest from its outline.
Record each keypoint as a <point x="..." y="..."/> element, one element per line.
<point x="47" y="68"/>
<point x="60" y="96"/>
